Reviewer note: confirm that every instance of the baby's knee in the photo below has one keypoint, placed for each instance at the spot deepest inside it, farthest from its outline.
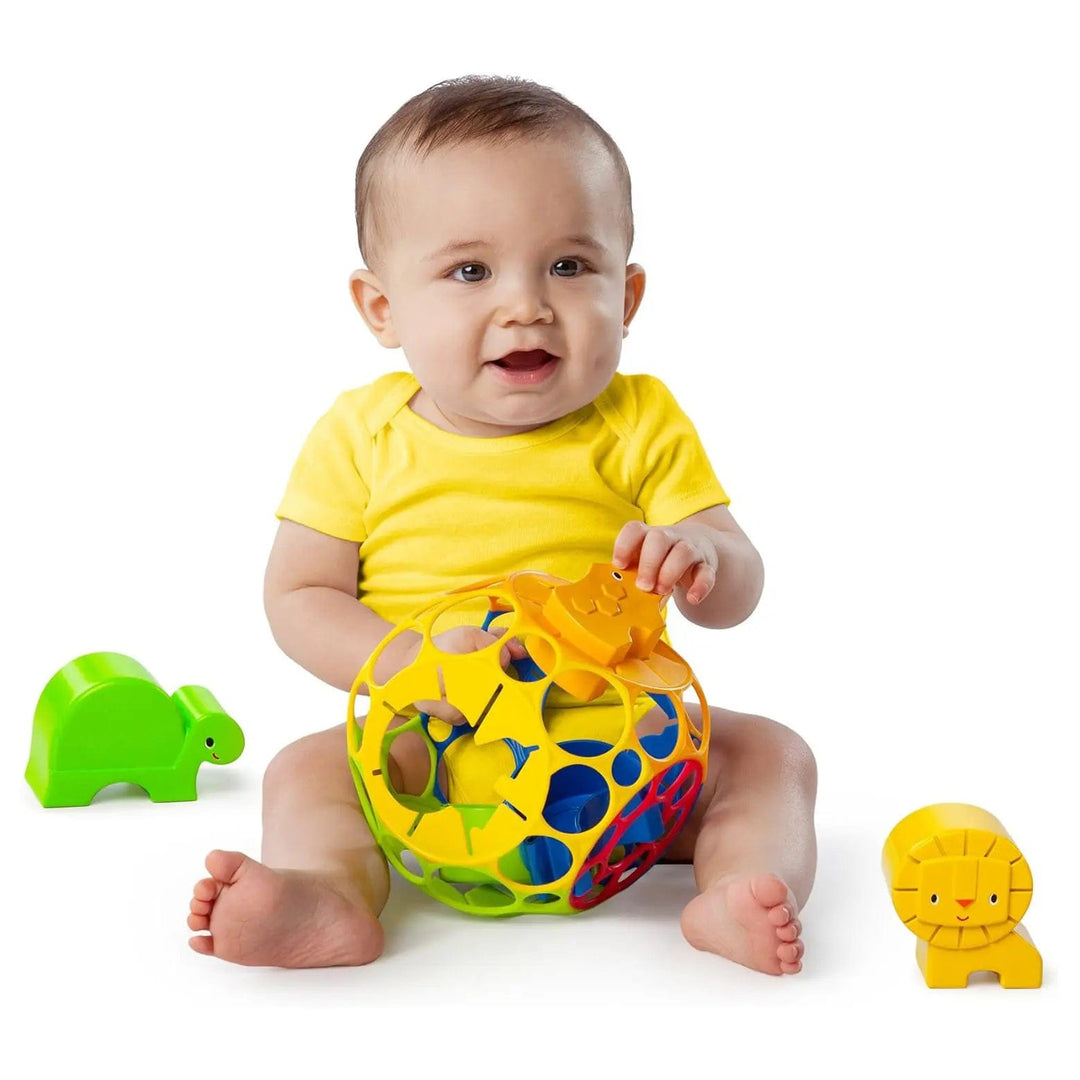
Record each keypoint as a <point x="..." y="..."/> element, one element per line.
<point x="794" y="751"/>
<point x="762" y="735"/>
<point x="800" y="754"/>
<point x="306" y="760"/>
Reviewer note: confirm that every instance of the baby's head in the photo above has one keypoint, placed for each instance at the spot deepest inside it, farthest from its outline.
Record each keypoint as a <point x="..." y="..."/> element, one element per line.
<point x="494" y="217"/>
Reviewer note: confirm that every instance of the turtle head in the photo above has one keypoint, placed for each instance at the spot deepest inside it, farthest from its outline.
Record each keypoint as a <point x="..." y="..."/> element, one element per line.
<point x="217" y="738"/>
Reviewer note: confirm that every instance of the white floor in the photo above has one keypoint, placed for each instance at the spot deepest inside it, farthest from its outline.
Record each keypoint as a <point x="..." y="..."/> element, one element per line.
<point x="96" y="944"/>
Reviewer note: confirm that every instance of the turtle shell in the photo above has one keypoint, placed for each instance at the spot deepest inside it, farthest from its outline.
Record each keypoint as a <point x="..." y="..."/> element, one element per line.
<point x="106" y="711"/>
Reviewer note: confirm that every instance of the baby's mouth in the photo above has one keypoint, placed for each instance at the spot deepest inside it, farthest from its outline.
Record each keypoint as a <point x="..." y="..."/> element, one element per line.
<point x="525" y="361"/>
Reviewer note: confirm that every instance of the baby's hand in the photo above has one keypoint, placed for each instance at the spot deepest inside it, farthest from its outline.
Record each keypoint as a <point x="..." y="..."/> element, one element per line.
<point x="466" y="639"/>
<point x="669" y="555"/>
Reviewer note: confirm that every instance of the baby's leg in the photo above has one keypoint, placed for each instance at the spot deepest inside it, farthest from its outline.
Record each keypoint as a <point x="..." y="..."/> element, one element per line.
<point x="751" y="838"/>
<point x="314" y="899"/>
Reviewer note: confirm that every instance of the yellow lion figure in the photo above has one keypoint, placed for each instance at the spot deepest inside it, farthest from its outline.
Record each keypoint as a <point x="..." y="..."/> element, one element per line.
<point x="961" y="886"/>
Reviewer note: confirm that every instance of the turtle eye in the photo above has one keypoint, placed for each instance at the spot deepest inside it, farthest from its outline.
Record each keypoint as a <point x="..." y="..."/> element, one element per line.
<point x="616" y="575"/>
<point x="209" y="741"/>
<point x="933" y="898"/>
<point x="993" y="898"/>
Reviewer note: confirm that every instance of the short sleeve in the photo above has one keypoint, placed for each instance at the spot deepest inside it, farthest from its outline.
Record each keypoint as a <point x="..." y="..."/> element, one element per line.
<point x="327" y="490"/>
<point x="672" y="474"/>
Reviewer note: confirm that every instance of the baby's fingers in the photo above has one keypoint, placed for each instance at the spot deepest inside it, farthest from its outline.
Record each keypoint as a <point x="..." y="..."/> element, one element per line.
<point x="654" y="550"/>
<point x="702" y="584"/>
<point x="628" y="543"/>
<point x="442" y="710"/>
<point x="677" y="567"/>
<point x="512" y="648"/>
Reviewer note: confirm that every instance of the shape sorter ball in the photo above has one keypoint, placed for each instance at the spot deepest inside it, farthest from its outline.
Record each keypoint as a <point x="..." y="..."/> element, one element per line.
<point x="518" y="814"/>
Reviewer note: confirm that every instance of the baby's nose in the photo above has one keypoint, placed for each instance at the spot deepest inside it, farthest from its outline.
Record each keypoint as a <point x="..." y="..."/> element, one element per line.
<point x="524" y="303"/>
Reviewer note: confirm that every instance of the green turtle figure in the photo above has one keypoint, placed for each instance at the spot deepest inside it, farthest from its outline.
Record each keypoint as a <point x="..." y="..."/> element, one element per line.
<point x="104" y="719"/>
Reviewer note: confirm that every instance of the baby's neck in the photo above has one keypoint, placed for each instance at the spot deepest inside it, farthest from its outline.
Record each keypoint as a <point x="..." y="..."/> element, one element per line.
<point x="427" y="408"/>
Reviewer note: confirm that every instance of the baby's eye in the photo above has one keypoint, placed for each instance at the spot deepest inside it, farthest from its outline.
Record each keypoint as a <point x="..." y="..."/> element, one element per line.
<point x="576" y="267"/>
<point x="468" y="270"/>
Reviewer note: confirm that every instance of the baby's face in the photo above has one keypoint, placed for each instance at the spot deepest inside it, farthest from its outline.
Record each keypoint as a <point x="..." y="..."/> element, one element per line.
<point x="541" y="269"/>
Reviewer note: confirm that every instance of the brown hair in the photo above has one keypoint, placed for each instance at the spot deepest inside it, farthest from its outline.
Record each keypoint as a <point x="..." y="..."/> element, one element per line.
<point x="483" y="108"/>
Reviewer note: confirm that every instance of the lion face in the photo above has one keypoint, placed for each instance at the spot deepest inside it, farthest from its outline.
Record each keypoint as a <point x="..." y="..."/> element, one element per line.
<point x="963" y="891"/>
<point x="962" y="888"/>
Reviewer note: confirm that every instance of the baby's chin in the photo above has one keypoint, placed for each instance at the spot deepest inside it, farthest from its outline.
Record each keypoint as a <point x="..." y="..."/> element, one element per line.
<point x="497" y="406"/>
<point x="519" y="418"/>
<point x="501" y="426"/>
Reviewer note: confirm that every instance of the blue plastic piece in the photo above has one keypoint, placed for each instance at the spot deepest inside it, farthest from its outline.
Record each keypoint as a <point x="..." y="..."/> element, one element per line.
<point x="545" y="859"/>
<point x="573" y="805"/>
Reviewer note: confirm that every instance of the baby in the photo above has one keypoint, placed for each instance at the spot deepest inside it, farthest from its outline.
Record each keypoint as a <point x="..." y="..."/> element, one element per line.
<point x="495" y="222"/>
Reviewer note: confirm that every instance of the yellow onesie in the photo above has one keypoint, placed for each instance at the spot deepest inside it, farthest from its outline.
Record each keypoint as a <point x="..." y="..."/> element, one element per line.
<point x="434" y="511"/>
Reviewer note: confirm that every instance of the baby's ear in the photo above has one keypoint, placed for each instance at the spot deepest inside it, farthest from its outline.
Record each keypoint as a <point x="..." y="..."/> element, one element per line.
<point x="635" y="290"/>
<point x="374" y="306"/>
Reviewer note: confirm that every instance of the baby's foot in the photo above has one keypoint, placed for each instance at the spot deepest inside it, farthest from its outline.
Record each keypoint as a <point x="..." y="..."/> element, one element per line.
<point x="278" y="918"/>
<point x="749" y="918"/>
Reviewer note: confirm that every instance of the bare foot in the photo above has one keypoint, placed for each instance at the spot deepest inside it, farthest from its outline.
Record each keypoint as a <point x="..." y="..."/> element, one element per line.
<point x="278" y="918"/>
<point x="749" y="918"/>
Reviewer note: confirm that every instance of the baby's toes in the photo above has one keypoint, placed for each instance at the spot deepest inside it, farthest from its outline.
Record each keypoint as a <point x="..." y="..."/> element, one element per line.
<point x="201" y="906"/>
<point x="790" y="931"/>
<point x="198" y="922"/>
<point x="780" y="915"/>
<point x="223" y="866"/>
<point x="770" y="892"/>
<point x="206" y="890"/>
<point x="202" y="944"/>
<point x="790" y="954"/>
<point x="790" y="969"/>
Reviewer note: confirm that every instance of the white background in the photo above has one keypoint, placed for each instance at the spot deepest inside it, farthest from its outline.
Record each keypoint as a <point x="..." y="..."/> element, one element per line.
<point x="861" y="230"/>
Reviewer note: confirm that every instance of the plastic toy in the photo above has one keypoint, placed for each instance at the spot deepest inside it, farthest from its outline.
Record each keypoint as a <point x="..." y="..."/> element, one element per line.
<point x="961" y="886"/>
<point x="103" y="719"/>
<point x="515" y="816"/>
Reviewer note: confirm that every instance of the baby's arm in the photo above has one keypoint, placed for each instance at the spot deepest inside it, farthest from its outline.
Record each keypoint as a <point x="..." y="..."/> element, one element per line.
<point x="310" y="598"/>
<point x="705" y="560"/>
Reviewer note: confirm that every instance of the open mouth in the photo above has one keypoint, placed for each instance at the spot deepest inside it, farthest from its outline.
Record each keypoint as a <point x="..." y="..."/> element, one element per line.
<point x="533" y="360"/>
